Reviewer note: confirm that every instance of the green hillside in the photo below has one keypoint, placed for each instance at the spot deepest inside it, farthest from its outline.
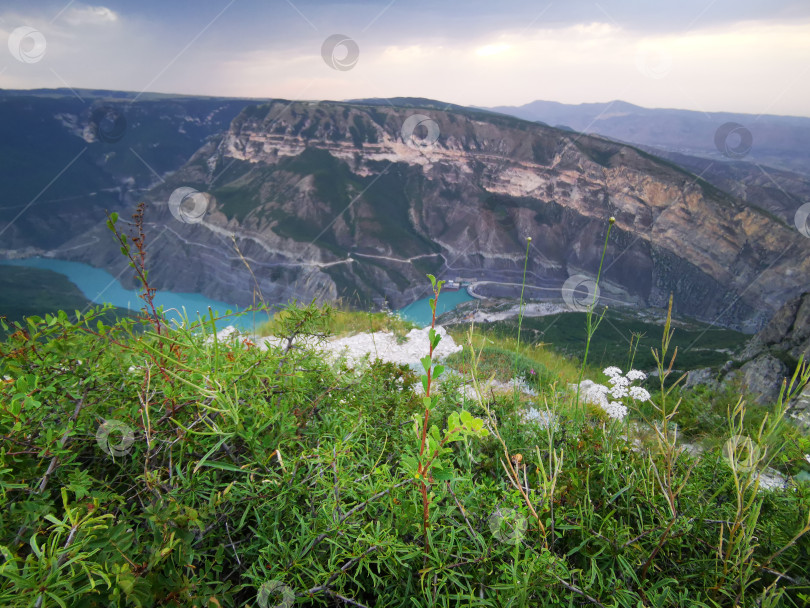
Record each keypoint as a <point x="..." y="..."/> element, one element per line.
<point x="32" y="291"/>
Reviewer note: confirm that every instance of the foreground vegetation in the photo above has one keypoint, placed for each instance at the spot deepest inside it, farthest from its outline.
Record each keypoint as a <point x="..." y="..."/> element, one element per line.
<point x="174" y="469"/>
<point x="168" y="467"/>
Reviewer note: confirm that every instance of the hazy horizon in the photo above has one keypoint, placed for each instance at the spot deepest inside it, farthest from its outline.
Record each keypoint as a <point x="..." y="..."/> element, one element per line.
<point x="703" y="55"/>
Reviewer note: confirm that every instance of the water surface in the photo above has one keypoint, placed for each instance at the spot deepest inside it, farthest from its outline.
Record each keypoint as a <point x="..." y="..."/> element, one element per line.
<point x="420" y="313"/>
<point x="100" y="287"/>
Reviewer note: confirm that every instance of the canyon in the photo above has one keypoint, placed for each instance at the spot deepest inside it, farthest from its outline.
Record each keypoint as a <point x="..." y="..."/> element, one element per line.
<point x="360" y="200"/>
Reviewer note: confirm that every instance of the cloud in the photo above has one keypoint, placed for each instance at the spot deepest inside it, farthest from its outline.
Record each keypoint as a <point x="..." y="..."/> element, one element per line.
<point x="490" y="50"/>
<point x="480" y="56"/>
<point x="79" y="15"/>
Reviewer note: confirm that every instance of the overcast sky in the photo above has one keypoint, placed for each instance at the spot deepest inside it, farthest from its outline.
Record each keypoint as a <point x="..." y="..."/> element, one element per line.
<point x="710" y="55"/>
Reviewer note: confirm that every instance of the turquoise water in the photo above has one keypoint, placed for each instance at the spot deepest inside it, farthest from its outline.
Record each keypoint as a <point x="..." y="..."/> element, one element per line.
<point x="100" y="287"/>
<point x="419" y="312"/>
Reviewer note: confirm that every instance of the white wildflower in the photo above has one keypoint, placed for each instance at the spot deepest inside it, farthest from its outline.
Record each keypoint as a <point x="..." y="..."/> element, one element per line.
<point x="616" y="410"/>
<point x="807" y="458"/>
<point x="612" y="371"/>
<point x="639" y="394"/>
<point x="594" y="394"/>
<point x="600" y="400"/>
<point x="619" y="391"/>
<point x="600" y="388"/>
<point x="619" y="381"/>
<point x="542" y="418"/>
<point x="635" y="374"/>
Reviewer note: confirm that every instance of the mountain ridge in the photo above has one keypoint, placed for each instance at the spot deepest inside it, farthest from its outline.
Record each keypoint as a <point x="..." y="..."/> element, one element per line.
<point x="328" y="197"/>
<point x="779" y="141"/>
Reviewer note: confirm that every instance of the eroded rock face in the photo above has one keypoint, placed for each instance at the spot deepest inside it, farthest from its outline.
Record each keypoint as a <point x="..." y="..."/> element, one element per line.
<point x="762" y="378"/>
<point x="335" y="200"/>
<point x="788" y="331"/>
<point x="786" y="335"/>
<point x="701" y="377"/>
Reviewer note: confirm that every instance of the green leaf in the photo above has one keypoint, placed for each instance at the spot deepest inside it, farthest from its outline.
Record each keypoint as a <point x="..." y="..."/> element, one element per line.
<point x="443" y="475"/>
<point x="114" y="217"/>
<point x="410" y="464"/>
<point x="225" y="466"/>
<point x="432" y="280"/>
<point x="426" y="361"/>
<point x="211" y="451"/>
<point x="466" y="418"/>
<point x="437" y="371"/>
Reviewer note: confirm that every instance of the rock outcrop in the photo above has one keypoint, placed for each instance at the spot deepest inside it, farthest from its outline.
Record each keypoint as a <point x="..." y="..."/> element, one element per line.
<point x="762" y="378"/>
<point x="786" y="337"/>
<point x="787" y="332"/>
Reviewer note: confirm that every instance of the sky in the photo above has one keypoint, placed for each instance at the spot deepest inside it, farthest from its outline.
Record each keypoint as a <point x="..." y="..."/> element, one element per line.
<point x="750" y="56"/>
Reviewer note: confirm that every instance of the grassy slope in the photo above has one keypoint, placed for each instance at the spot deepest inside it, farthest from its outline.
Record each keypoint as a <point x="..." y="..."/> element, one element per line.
<point x="33" y="291"/>
<point x="699" y="345"/>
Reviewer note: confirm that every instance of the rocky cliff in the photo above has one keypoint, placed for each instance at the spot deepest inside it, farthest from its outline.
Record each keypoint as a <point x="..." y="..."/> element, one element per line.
<point x="360" y="201"/>
<point x="772" y="355"/>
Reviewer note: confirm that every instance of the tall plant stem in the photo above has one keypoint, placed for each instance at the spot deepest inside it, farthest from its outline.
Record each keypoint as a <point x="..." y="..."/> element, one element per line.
<point x="590" y="327"/>
<point x="423" y="470"/>
<point x="520" y="312"/>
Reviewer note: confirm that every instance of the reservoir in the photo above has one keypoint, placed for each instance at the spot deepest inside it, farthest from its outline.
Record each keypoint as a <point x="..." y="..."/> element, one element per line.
<point x="100" y="287"/>
<point x="420" y="313"/>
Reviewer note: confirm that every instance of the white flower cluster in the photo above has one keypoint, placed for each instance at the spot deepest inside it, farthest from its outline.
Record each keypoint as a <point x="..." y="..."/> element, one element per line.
<point x="608" y="397"/>
<point x="541" y="418"/>
<point x="523" y="386"/>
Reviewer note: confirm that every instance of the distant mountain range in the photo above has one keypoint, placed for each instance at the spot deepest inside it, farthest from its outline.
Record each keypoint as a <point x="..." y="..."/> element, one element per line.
<point x="776" y="141"/>
<point x="360" y="199"/>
